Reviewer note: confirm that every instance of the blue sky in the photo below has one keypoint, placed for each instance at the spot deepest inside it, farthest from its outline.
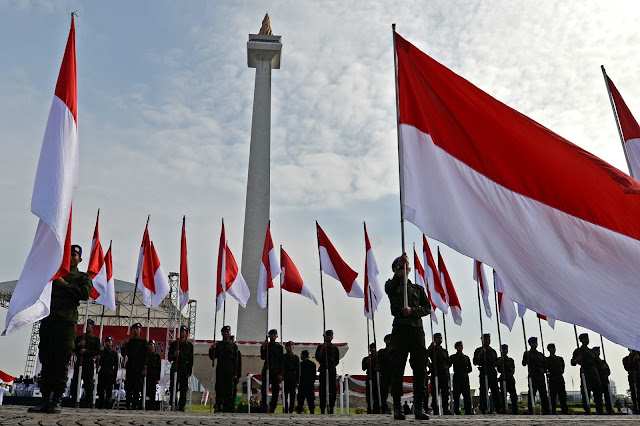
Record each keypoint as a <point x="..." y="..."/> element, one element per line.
<point x="165" y="98"/>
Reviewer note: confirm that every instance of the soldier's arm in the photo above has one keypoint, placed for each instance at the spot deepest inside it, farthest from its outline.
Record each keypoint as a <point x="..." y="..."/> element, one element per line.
<point x="79" y="287"/>
<point x="525" y="358"/>
<point x="263" y="351"/>
<point x="320" y="353"/>
<point x="425" y="306"/>
<point x="172" y="351"/>
<point x="392" y="288"/>
<point x="476" y="357"/>
<point x="574" y="358"/>
<point x="337" y="355"/>
<point x="469" y="367"/>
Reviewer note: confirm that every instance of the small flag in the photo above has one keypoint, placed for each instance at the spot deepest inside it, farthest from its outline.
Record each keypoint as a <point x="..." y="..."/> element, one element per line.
<point x="452" y="296"/>
<point x="420" y="280"/>
<point x="481" y="279"/>
<point x="332" y="264"/>
<point x="373" y="291"/>
<point x="269" y="269"/>
<point x="290" y="279"/>
<point x="184" y="270"/>
<point x="505" y="304"/>
<point x="437" y="293"/>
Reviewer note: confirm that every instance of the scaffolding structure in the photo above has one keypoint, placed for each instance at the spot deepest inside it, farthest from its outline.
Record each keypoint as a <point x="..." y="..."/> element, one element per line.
<point x="32" y="352"/>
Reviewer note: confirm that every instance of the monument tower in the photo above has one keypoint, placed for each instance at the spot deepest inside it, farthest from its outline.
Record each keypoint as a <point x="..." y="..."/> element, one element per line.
<point x="263" y="54"/>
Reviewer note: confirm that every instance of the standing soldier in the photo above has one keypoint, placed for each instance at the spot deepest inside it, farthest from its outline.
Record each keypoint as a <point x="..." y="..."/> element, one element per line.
<point x="486" y="358"/>
<point x="328" y="356"/>
<point x="272" y="354"/>
<point x="109" y="362"/>
<point x="227" y="354"/>
<point x="587" y="360"/>
<point x="183" y="365"/>
<point x="384" y="363"/>
<point x="407" y="335"/>
<point x="507" y="369"/>
<point x="604" y="372"/>
<point x="291" y="374"/>
<point x="57" y="332"/>
<point x="555" y="370"/>
<point x="440" y="362"/>
<point x="152" y="373"/>
<point x="629" y="365"/>
<point x="135" y="349"/>
<point x="461" y="369"/>
<point x="86" y="347"/>
<point x="370" y="365"/>
<point x="238" y="370"/>
<point x="537" y="367"/>
<point x="307" y="383"/>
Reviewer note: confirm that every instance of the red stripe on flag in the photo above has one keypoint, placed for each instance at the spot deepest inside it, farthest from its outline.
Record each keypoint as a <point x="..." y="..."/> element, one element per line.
<point x="66" y="85"/>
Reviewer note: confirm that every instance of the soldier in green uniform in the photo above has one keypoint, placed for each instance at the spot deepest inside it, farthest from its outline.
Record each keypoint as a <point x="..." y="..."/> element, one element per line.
<point x="384" y="363"/>
<point x="370" y="365"/>
<point x="181" y="358"/>
<point x="440" y="361"/>
<point x="537" y="367"/>
<point x="86" y="347"/>
<point x="629" y="365"/>
<point x="486" y="358"/>
<point x="461" y="368"/>
<point x="407" y="335"/>
<point x="151" y="371"/>
<point x="555" y="370"/>
<point x="604" y="372"/>
<point x="507" y="369"/>
<point x="291" y="377"/>
<point x="328" y="356"/>
<point x="57" y="333"/>
<point x="228" y="356"/>
<point x="272" y="353"/>
<point x="135" y="351"/>
<point x="587" y="360"/>
<point x="109" y="363"/>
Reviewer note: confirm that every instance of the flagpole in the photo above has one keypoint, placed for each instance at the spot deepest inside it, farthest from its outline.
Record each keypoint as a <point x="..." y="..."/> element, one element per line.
<point x="617" y="119"/>
<point x="400" y="163"/>
<point x="504" y="380"/>
<point x="324" y="321"/>
<point x="95" y="375"/>
<point x="530" y="383"/>
<point x="144" y="380"/>
<point x="583" y="379"/>
<point x="604" y="356"/>
<point x="486" y="374"/>
<point x="369" y="380"/>
<point x="176" y="336"/>
<point x="546" y="378"/>
<point x="213" y="362"/>
<point x="373" y="329"/>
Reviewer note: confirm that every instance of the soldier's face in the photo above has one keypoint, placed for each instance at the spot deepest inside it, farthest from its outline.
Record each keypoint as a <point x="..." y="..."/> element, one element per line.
<point x="75" y="259"/>
<point x="505" y="351"/>
<point x="183" y="334"/>
<point x="552" y="350"/>
<point x="487" y="340"/>
<point x="108" y="344"/>
<point x="273" y="337"/>
<point x="533" y="344"/>
<point x="438" y="340"/>
<point x="89" y="328"/>
<point x="151" y="347"/>
<point x="226" y="334"/>
<point x="459" y="348"/>
<point x="328" y="338"/>
<point x="584" y="340"/>
<point x="289" y="349"/>
<point x="136" y="331"/>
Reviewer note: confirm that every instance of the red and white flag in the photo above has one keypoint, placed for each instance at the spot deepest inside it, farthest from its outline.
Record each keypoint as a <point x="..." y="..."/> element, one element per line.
<point x="480" y="277"/>
<point x="373" y="291"/>
<point x="420" y="280"/>
<point x="290" y="279"/>
<point x="332" y="264"/>
<point x="150" y="279"/>
<point x="550" y="321"/>
<point x="495" y="185"/>
<point x="96" y="263"/>
<point x="437" y="293"/>
<point x="630" y="130"/>
<point x="56" y="178"/>
<point x="184" y="270"/>
<point x="506" y="308"/>
<point x="452" y="296"/>
<point x="221" y="271"/>
<point x="236" y="286"/>
<point x="269" y="269"/>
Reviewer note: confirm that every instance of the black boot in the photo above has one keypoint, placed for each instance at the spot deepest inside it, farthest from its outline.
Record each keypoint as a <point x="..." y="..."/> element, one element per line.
<point x="419" y="411"/>
<point x="43" y="407"/>
<point x="56" y="403"/>
<point x="398" y="412"/>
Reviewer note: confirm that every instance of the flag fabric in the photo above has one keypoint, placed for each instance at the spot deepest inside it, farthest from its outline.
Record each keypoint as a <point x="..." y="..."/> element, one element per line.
<point x="56" y="178"/>
<point x="7" y="378"/>
<point x="184" y="270"/>
<point x="373" y="291"/>
<point x="332" y="264"/>
<point x="290" y="279"/>
<point x="108" y="299"/>
<point x="630" y="130"/>
<point x="480" y="277"/>
<point x="235" y="283"/>
<point x="437" y="293"/>
<point x="496" y="186"/>
<point x="144" y="271"/>
<point x="420" y="280"/>
<point x="521" y="310"/>
<point x="550" y="321"/>
<point x="160" y="280"/>
<point x="220" y="273"/>
<point x="269" y="269"/>
<point x="96" y="262"/>
<point x="452" y="296"/>
<point x="506" y="308"/>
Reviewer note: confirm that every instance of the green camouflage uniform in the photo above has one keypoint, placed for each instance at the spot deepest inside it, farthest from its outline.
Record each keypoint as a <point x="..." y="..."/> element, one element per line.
<point x="136" y="352"/>
<point x="228" y="357"/>
<point x="92" y="349"/>
<point x="109" y="364"/>
<point x="184" y="367"/>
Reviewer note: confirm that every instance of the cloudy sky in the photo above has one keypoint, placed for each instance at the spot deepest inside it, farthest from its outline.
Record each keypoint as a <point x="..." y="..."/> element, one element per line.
<point x="165" y="99"/>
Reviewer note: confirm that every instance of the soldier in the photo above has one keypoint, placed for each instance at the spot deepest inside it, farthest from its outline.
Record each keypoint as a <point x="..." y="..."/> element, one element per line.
<point x="328" y="356"/>
<point x="86" y="347"/>
<point x="152" y="373"/>
<point x="227" y="354"/>
<point x="272" y="354"/>
<point x="555" y="370"/>
<point x="238" y="371"/>
<point x="461" y="369"/>
<point x="181" y="358"/>
<point x="587" y="360"/>
<point x="109" y="363"/>
<point x="537" y="367"/>
<point x="440" y="361"/>
<point x="57" y="332"/>
<point x="370" y="365"/>
<point x="629" y="365"/>
<point x="291" y="375"/>
<point x="486" y="358"/>
<point x="407" y="335"/>
<point x="135" y="351"/>
<point x="507" y="369"/>
<point x="384" y="363"/>
<point x="307" y="383"/>
<point x="604" y="372"/>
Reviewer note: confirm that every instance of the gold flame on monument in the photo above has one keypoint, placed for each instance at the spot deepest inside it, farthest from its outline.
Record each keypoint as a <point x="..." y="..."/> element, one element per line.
<point x="265" y="29"/>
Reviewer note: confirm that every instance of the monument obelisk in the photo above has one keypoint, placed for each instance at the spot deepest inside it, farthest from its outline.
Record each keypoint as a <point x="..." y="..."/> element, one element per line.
<point x="263" y="54"/>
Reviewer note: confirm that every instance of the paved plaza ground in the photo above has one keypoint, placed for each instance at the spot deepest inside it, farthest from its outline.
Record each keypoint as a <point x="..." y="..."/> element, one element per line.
<point x="17" y="415"/>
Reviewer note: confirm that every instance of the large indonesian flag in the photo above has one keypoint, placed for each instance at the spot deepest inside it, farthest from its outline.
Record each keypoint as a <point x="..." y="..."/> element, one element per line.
<point x="56" y="178"/>
<point x="184" y="270"/>
<point x="221" y="271"/>
<point x="150" y="278"/>
<point x="332" y="264"/>
<point x="373" y="292"/>
<point x="630" y="130"/>
<point x="480" y="277"/>
<point x="269" y="269"/>
<point x="556" y="222"/>
<point x="506" y="309"/>
<point x="437" y="294"/>
<point x="452" y="296"/>
<point x="420" y="280"/>
<point x="290" y="279"/>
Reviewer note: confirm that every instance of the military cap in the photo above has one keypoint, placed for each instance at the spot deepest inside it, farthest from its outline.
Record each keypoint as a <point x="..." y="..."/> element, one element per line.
<point x="76" y="249"/>
<point x="151" y="342"/>
<point x="328" y="333"/>
<point x="387" y="337"/>
<point x="437" y="335"/>
<point x="90" y="321"/>
<point x="184" y="328"/>
<point x="108" y="338"/>
<point x="136" y="325"/>
<point x="583" y="336"/>
<point x="226" y="328"/>
<point x="504" y="346"/>
<point x="289" y="343"/>
<point x="532" y="339"/>
<point x="273" y="331"/>
<point x="458" y="343"/>
<point x="485" y="335"/>
<point x="596" y="348"/>
<point x="305" y="353"/>
<point x="395" y="265"/>
<point x="551" y="345"/>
